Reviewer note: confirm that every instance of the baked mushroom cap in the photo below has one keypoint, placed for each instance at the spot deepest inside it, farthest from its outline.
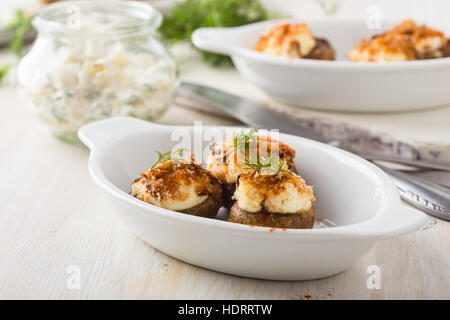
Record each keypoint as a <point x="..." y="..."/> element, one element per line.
<point x="280" y="199"/>
<point x="305" y="220"/>
<point x="294" y="41"/>
<point x="322" y="51"/>
<point x="226" y="162"/>
<point x="182" y="186"/>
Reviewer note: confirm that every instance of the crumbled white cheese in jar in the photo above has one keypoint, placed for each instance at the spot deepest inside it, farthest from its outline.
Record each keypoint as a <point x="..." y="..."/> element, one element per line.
<point x="86" y="80"/>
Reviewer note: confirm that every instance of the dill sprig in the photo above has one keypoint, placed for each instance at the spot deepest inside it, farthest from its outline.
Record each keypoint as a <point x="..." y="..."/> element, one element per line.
<point x="19" y="26"/>
<point x="176" y="155"/>
<point x="328" y="7"/>
<point x="188" y="15"/>
<point x="273" y="163"/>
<point x="242" y="140"/>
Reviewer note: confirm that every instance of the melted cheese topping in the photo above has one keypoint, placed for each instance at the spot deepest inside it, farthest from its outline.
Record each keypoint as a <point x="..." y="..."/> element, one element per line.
<point x="423" y="38"/>
<point x="429" y="43"/>
<point x="277" y="193"/>
<point x="288" y="40"/>
<point x="174" y="186"/>
<point x="383" y="49"/>
<point x="406" y="41"/>
<point x="226" y="163"/>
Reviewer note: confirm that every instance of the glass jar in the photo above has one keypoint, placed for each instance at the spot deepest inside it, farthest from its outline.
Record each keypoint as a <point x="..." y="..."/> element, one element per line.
<point x="93" y="60"/>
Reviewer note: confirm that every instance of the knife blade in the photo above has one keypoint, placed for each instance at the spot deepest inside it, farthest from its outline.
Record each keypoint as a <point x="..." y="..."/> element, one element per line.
<point x="260" y="117"/>
<point x="441" y="178"/>
<point x="249" y="112"/>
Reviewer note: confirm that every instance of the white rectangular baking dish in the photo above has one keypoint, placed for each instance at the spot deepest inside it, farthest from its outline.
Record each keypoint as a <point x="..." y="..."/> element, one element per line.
<point x="339" y="85"/>
<point x="351" y="192"/>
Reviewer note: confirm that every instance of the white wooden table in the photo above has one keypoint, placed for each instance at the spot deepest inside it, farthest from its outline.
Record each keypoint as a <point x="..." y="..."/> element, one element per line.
<point x="55" y="224"/>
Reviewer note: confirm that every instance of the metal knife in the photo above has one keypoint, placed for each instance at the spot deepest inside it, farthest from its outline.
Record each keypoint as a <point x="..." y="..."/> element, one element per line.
<point x="441" y="178"/>
<point x="257" y="116"/>
<point x="420" y="194"/>
<point x="429" y="197"/>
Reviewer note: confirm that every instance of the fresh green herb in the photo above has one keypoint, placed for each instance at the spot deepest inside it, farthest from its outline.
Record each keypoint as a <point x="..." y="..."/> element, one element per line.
<point x="274" y="163"/>
<point x="170" y="155"/>
<point x="242" y="140"/>
<point x="329" y="7"/>
<point x="20" y="25"/>
<point x="4" y="71"/>
<point x="189" y="15"/>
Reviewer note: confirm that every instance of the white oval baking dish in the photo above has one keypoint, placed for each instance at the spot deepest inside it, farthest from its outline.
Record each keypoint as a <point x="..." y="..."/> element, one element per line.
<point x="339" y="85"/>
<point x="351" y="192"/>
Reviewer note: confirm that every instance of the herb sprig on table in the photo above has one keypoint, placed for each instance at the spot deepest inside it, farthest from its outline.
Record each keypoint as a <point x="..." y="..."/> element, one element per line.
<point x="4" y="71"/>
<point x="189" y="15"/>
<point x="19" y="26"/>
<point x="329" y="7"/>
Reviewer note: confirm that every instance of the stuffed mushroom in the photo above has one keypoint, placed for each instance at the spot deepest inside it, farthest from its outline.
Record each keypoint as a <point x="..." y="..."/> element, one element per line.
<point x="280" y="200"/>
<point x="405" y="42"/>
<point x="295" y="41"/>
<point x="231" y="158"/>
<point x="180" y="185"/>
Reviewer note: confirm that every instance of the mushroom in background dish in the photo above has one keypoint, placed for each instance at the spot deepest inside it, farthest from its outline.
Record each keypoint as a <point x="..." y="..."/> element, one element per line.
<point x="295" y="41"/>
<point x="405" y="42"/>
<point x="227" y="160"/>
<point x="179" y="185"/>
<point x="280" y="200"/>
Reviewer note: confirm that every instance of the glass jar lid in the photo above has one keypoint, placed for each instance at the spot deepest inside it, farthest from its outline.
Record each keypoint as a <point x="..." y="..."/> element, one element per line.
<point x="97" y="18"/>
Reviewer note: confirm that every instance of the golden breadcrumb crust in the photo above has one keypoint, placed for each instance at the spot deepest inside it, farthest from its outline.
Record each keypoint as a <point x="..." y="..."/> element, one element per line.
<point x="165" y="179"/>
<point x="406" y="41"/>
<point x="224" y="154"/>
<point x="283" y="35"/>
<point x="294" y="41"/>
